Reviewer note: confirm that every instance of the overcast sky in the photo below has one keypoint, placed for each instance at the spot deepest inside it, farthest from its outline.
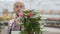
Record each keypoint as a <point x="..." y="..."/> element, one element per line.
<point x="31" y="4"/>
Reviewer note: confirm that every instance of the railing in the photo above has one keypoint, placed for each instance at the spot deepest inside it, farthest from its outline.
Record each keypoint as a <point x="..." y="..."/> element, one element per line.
<point x="50" y="23"/>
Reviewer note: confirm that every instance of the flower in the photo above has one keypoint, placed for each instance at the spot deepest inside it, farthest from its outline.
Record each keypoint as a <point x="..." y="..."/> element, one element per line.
<point x="21" y="14"/>
<point x="30" y="14"/>
<point x="30" y="24"/>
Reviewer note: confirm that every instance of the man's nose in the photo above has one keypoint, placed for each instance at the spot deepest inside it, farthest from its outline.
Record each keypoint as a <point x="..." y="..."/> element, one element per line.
<point x="19" y="8"/>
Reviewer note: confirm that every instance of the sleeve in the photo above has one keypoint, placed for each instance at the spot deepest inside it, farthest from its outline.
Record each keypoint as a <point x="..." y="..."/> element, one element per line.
<point x="9" y="25"/>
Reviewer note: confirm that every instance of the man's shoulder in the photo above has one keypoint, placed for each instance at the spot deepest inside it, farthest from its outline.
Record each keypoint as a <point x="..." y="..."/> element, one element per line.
<point x="11" y="21"/>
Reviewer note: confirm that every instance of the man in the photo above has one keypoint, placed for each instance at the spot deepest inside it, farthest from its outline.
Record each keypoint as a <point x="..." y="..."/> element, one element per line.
<point x="13" y="25"/>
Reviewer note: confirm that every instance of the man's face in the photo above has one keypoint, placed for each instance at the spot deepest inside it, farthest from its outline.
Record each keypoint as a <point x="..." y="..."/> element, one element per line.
<point x="18" y="7"/>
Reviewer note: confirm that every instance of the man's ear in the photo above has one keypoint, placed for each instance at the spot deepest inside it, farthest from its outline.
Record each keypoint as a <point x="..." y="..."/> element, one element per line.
<point x="14" y="9"/>
<point x="23" y="7"/>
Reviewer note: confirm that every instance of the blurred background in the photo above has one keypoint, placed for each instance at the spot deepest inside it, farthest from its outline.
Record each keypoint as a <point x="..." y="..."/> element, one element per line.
<point x="48" y="9"/>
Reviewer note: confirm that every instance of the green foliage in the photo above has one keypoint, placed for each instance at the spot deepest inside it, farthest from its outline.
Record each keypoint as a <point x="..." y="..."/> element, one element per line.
<point x="31" y="24"/>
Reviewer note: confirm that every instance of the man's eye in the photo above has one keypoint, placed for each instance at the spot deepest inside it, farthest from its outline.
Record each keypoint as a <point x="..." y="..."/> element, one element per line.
<point x="16" y="6"/>
<point x="21" y="6"/>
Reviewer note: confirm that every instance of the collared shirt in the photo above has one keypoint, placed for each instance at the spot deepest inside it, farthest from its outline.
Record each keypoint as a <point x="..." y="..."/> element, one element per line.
<point x="14" y="24"/>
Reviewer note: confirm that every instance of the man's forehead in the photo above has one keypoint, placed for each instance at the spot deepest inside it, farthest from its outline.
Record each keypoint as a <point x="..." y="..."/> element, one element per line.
<point x="18" y="3"/>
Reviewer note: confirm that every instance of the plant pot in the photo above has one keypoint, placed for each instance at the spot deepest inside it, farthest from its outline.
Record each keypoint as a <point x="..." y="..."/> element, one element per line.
<point x="30" y="33"/>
